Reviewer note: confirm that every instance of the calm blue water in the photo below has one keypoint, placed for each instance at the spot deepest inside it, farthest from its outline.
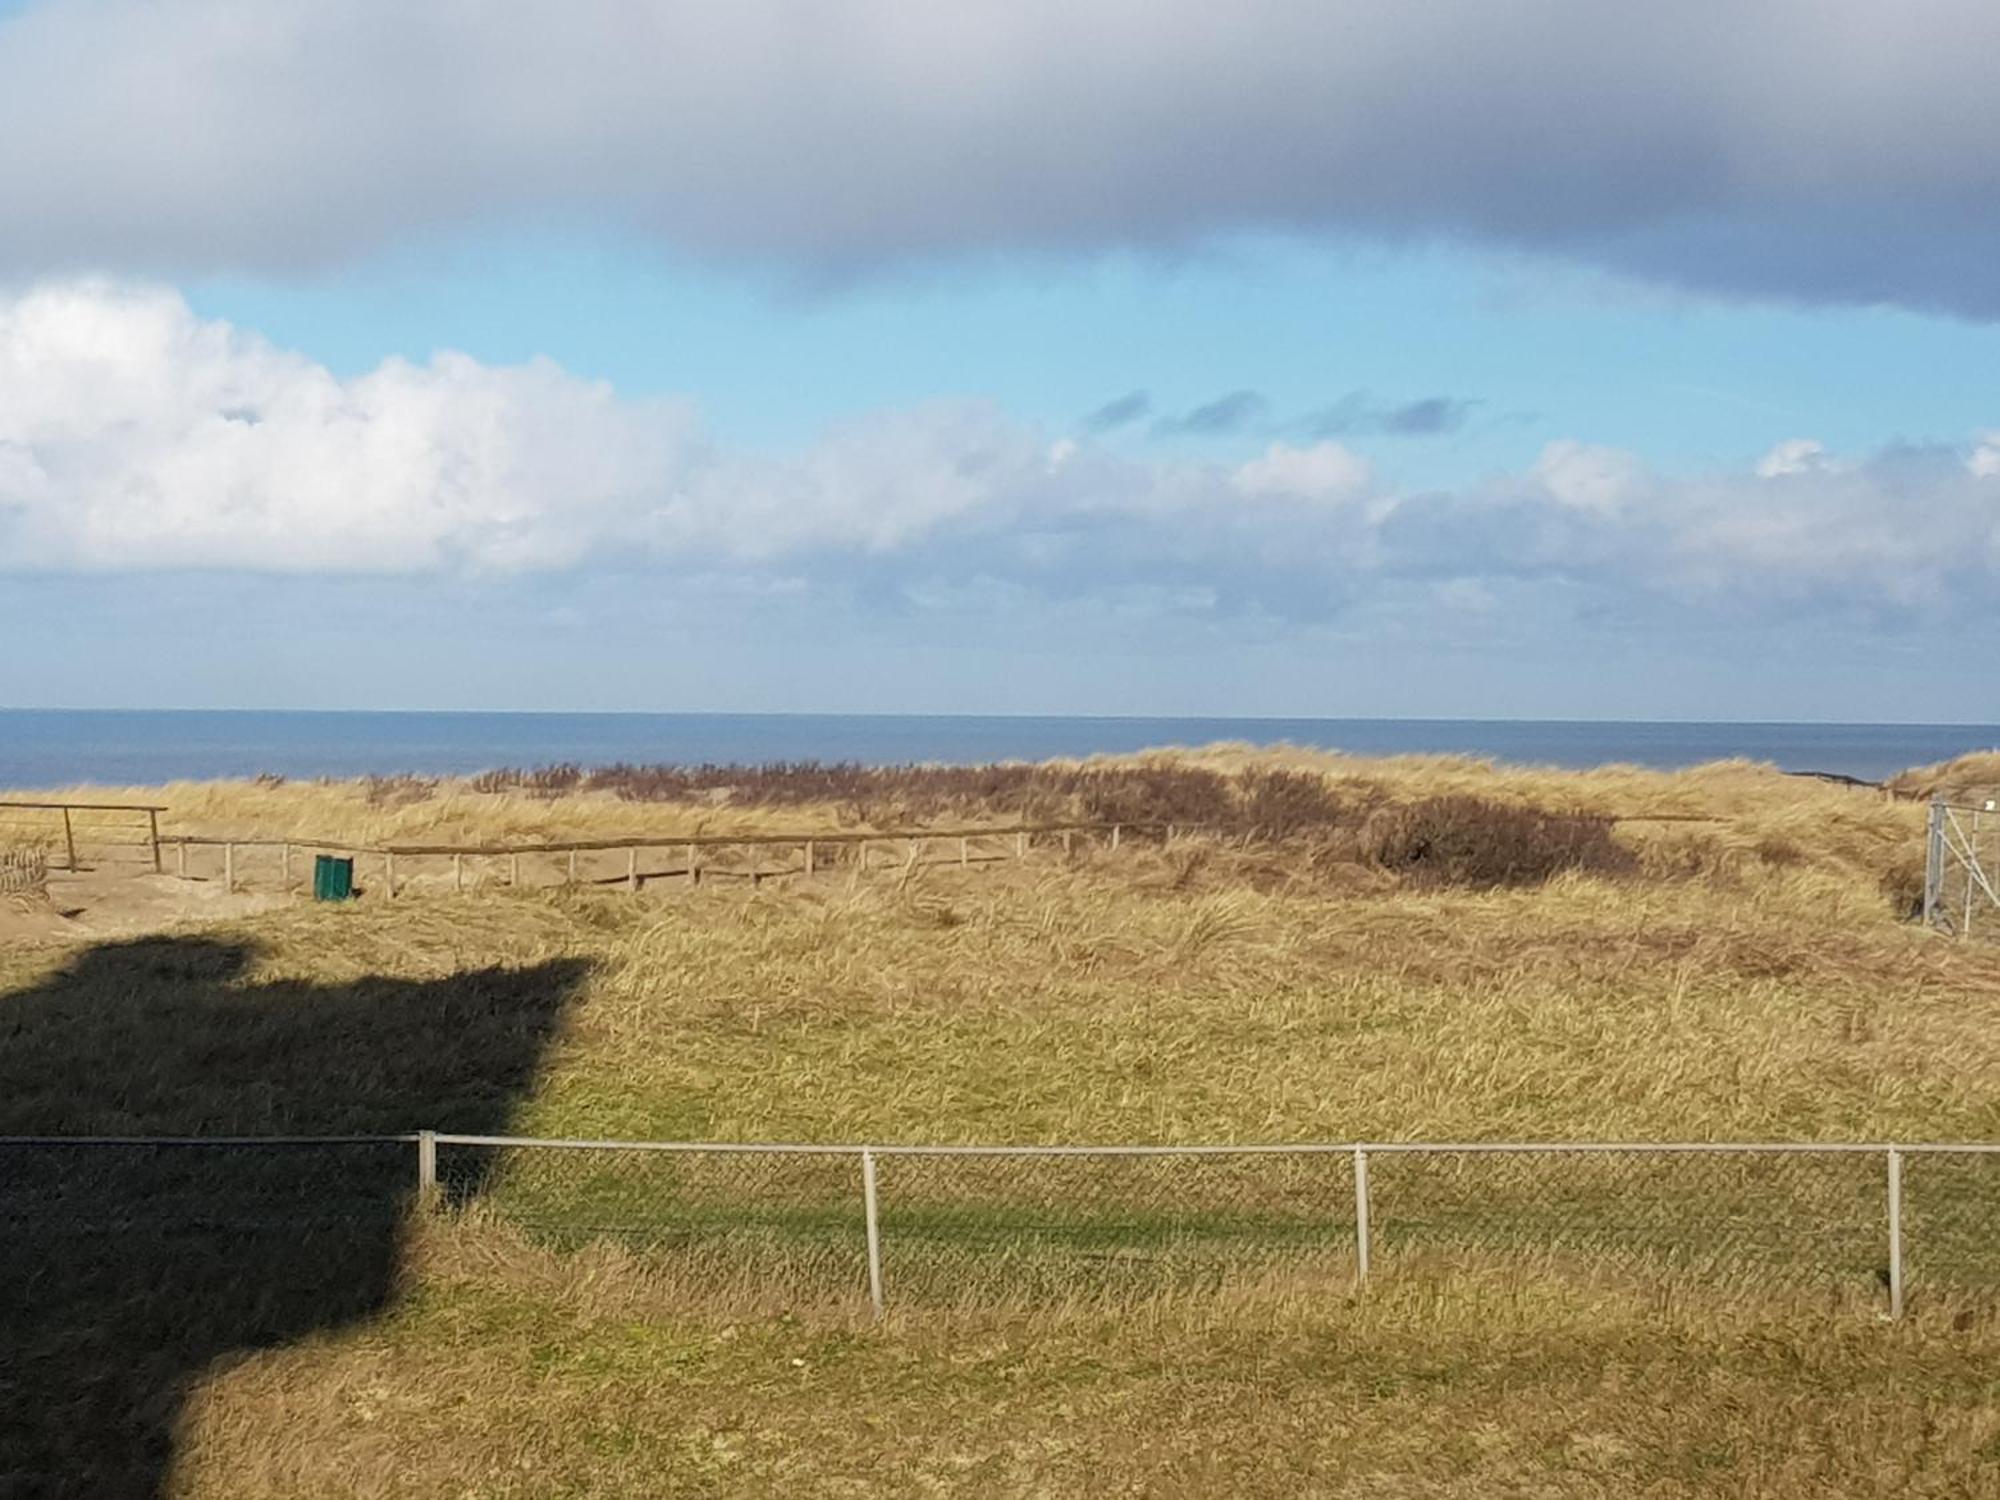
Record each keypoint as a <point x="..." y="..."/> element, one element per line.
<point x="44" y="748"/>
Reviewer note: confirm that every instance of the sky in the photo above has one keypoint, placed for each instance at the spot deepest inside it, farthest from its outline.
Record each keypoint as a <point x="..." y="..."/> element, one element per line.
<point x="1291" y="357"/>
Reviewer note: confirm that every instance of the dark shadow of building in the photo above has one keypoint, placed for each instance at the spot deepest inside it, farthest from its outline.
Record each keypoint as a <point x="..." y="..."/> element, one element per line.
<point x="126" y="1271"/>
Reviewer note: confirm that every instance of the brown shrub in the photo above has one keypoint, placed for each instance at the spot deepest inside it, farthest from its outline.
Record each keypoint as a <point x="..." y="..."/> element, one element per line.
<point x="1189" y="796"/>
<point x="1260" y="802"/>
<point x="1469" y="841"/>
<point x="1277" y="804"/>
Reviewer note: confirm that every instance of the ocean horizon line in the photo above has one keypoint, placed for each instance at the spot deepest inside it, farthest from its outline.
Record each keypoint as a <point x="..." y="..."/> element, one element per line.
<point x="46" y="748"/>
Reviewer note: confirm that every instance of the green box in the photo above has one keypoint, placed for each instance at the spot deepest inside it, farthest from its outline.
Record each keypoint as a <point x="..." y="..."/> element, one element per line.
<point x="333" y="879"/>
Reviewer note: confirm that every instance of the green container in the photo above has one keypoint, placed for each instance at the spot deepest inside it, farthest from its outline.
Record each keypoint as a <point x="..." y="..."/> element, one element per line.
<point x="333" y="879"/>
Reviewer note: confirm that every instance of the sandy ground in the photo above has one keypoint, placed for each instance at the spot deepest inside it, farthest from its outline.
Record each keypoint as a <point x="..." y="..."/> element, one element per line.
<point x="112" y="902"/>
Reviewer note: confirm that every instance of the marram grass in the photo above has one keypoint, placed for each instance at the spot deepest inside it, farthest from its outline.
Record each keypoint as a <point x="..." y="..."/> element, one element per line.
<point x="1753" y="978"/>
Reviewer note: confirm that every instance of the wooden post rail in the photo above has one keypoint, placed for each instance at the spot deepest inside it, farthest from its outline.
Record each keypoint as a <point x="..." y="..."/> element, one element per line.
<point x="973" y="845"/>
<point x="66" y="816"/>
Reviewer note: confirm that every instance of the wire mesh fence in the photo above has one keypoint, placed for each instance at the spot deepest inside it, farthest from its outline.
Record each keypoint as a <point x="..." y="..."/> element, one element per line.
<point x="923" y="1225"/>
<point x="968" y="1226"/>
<point x="1962" y="869"/>
<point x="1769" y="1216"/>
<point x="793" y="1221"/>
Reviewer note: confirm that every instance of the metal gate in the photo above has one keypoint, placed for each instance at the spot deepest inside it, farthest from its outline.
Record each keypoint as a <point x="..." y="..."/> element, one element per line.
<point x="1961" y="864"/>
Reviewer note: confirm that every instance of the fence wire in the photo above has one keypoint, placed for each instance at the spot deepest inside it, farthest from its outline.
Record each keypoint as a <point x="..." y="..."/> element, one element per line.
<point x="793" y="1222"/>
<point x="959" y="1227"/>
<point x="1778" y="1217"/>
<point x="1073" y="1224"/>
<point x="1951" y="1219"/>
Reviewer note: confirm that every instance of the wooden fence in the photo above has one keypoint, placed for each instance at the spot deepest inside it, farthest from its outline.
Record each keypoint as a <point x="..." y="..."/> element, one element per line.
<point x="62" y="829"/>
<point x="625" y="861"/>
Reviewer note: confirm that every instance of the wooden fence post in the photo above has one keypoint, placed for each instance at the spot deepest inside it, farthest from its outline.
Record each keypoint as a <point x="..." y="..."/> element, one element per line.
<point x="1021" y="845"/>
<point x="69" y="838"/>
<point x="1114" y="838"/>
<point x="513" y="867"/>
<point x="809" y="856"/>
<point x="632" y="870"/>
<point x="181" y="858"/>
<point x="458" y="872"/>
<point x="389" y="874"/>
<point x="572" y="867"/>
<point x="964" y="853"/>
<point x="153" y="824"/>
<point x="228" y="868"/>
<point x="694" y="870"/>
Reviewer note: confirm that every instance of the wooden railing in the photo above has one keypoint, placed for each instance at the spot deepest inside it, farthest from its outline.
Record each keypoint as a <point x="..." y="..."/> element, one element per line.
<point x="968" y="846"/>
<point x="66" y="820"/>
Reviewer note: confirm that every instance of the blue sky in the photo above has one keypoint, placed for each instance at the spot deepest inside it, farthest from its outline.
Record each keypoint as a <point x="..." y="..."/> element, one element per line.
<point x="1544" y="349"/>
<point x="1292" y="359"/>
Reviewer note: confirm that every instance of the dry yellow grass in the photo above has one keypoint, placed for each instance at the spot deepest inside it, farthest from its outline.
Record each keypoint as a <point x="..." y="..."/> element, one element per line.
<point x="1754" y="980"/>
<point x="1741" y="811"/>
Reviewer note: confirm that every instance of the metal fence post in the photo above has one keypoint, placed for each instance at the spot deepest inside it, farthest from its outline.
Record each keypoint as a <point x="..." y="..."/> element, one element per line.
<point x="874" y="1230"/>
<point x="427" y="1164"/>
<point x="1971" y="864"/>
<point x="1361" y="1232"/>
<point x="1895" y="1233"/>
<point x="1933" y="861"/>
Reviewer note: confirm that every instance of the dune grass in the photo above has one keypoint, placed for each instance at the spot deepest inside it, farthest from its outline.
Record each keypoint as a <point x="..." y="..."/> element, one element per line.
<point x="1749" y="977"/>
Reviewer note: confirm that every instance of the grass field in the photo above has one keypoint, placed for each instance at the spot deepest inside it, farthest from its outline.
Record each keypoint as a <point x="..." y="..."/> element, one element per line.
<point x="1750" y="977"/>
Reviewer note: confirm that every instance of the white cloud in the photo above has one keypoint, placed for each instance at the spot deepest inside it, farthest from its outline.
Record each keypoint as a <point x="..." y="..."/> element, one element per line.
<point x="1792" y="456"/>
<point x="142" y="436"/>
<point x="1324" y="472"/>
<point x="136" y="435"/>
<point x="1586" y="478"/>
<point x="226" y="133"/>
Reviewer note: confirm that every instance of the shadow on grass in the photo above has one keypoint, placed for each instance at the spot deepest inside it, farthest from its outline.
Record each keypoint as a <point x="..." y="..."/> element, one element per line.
<point x="126" y="1271"/>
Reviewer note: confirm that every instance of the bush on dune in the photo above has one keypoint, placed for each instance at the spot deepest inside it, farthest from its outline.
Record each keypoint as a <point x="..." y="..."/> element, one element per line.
<point x="1471" y="842"/>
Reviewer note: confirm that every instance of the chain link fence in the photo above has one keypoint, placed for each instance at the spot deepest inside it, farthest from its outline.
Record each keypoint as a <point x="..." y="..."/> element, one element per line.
<point x="935" y="1225"/>
<point x="1962" y="869"/>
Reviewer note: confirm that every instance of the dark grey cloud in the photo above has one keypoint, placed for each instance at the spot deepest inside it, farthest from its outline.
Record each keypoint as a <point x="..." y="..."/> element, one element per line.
<point x="1818" y="150"/>
<point x="1359" y="414"/>
<point x="1122" y="412"/>
<point x="1225" y="414"/>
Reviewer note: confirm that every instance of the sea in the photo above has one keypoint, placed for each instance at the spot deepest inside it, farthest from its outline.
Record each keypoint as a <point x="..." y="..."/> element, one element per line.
<point x="42" y="748"/>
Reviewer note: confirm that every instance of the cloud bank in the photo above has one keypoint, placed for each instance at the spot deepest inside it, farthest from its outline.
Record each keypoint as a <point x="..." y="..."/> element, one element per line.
<point x="1825" y="150"/>
<point x="136" y="435"/>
